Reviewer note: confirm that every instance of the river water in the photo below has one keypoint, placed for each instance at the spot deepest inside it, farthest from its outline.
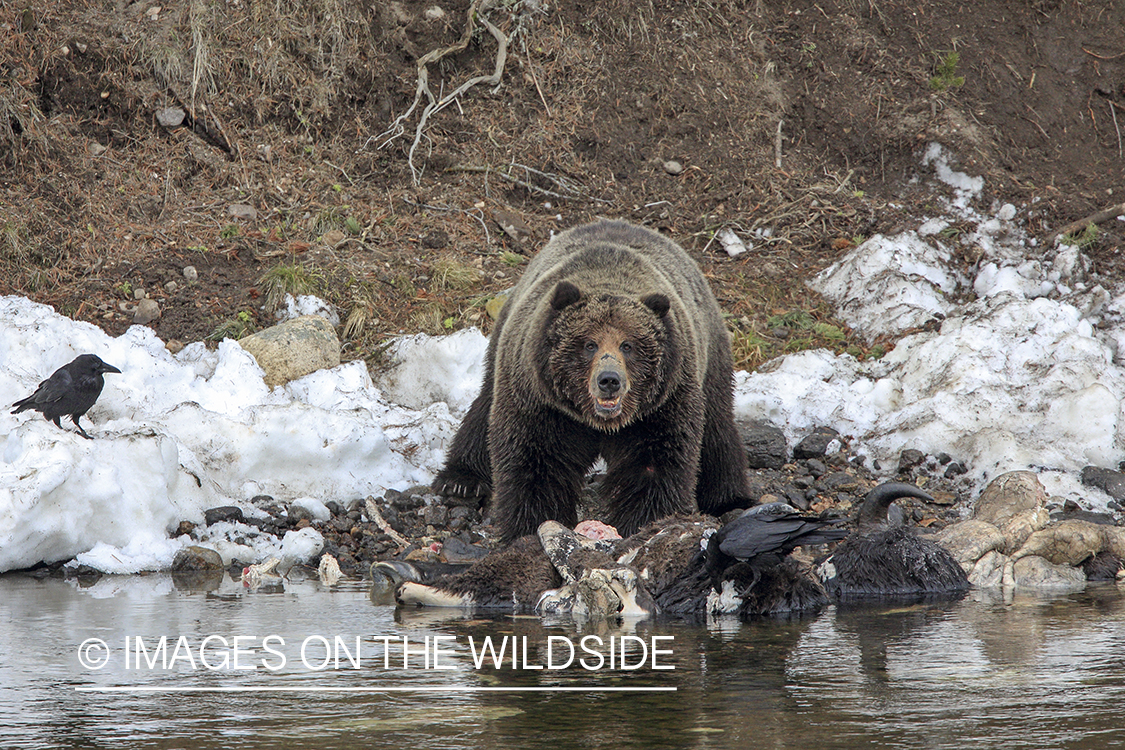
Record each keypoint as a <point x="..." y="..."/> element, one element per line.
<point x="308" y="666"/>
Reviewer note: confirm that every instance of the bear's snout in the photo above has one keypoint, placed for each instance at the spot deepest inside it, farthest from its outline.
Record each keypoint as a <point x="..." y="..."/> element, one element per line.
<point x="608" y="384"/>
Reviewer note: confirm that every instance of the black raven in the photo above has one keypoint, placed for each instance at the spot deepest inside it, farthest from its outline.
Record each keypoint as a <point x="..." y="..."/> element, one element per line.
<point x="774" y="528"/>
<point x="72" y="389"/>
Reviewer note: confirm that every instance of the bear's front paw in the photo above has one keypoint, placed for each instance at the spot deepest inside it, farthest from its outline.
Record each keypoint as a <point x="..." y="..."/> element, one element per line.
<point x="457" y="483"/>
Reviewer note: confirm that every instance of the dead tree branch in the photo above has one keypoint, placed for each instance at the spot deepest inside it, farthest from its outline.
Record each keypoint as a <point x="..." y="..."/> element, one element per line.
<point x="435" y="105"/>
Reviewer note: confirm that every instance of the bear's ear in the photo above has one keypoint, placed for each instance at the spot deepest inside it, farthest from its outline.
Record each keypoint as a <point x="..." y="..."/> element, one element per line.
<point x="658" y="303"/>
<point x="566" y="294"/>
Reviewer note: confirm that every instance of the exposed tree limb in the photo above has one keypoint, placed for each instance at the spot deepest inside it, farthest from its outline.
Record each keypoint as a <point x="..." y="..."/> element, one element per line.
<point x="476" y="8"/>
<point x="1095" y="218"/>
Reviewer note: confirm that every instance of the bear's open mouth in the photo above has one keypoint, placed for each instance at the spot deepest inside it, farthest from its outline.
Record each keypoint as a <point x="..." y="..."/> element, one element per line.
<point x="607" y="408"/>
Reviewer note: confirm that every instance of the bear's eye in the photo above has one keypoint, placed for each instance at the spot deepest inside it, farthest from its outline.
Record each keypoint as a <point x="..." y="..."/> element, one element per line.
<point x="626" y="347"/>
<point x="590" y="347"/>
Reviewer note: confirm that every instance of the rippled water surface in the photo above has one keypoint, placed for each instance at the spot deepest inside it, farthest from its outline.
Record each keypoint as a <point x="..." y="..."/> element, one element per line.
<point x="1031" y="672"/>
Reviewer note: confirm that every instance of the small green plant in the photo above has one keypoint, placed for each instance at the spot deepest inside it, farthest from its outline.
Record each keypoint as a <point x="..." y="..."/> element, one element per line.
<point x="230" y="231"/>
<point x="125" y="289"/>
<point x="285" y="279"/>
<point x="335" y="217"/>
<point x="448" y="273"/>
<point x="1083" y="239"/>
<point x="797" y="319"/>
<point x="240" y="326"/>
<point x="945" y="73"/>
<point x="748" y="346"/>
<point x="509" y="258"/>
<point x="828" y="331"/>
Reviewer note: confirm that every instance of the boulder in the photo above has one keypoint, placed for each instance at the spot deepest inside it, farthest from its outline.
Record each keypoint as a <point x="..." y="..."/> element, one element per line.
<point x="1038" y="572"/>
<point x="989" y="570"/>
<point x="1007" y="495"/>
<point x="1065" y="543"/>
<point x="196" y="559"/>
<point x="295" y="348"/>
<point x="969" y="541"/>
<point x="765" y="444"/>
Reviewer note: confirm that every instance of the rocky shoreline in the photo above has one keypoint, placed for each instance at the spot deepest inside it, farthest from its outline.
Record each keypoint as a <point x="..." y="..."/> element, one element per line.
<point x="1013" y="533"/>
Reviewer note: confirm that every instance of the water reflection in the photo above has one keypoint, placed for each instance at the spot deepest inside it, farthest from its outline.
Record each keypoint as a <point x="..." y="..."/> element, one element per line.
<point x="1031" y="672"/>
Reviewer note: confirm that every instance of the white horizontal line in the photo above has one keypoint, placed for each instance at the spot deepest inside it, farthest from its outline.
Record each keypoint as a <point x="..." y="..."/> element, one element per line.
<point x="392" y="689"/>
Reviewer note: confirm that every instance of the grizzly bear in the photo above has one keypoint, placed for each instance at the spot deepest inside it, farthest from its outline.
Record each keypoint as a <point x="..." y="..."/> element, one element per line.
<point x="610" y="345"/>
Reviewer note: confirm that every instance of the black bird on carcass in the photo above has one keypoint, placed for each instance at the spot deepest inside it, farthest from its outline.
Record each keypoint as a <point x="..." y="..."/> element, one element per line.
<point x="750" y="567"/>
<point x="70" y="391"/>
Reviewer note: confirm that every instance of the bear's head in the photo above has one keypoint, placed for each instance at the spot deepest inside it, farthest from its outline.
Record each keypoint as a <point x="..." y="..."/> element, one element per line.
<point x="609" y="356"/>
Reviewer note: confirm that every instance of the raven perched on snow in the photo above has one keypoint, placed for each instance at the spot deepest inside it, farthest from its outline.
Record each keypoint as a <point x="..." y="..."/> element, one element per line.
<point x="71" y="390"/>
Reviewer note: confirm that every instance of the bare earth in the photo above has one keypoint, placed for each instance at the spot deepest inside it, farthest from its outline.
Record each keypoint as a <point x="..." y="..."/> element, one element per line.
<point x="301" y="111"/>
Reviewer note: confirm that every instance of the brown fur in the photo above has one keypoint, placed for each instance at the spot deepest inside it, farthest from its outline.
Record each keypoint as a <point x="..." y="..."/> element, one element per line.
<point x="613" y="345"/>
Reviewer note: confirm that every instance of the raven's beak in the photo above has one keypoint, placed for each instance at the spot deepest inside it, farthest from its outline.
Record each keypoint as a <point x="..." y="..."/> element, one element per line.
<point x="109" y="368"/>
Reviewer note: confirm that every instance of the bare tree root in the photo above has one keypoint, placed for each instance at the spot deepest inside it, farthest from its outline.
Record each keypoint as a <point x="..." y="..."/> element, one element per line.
<point x="476" y="8"/>
<point x="1097" y="217"/>
<point x="568" y="189"/>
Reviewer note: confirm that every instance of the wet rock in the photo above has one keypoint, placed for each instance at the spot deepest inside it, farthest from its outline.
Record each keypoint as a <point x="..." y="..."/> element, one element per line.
<point x="1107" y="480"/>
<point x="988" y="572"/>
<point x="1037" y="572"/>
<point x="910" y="459"/>
<point x="815" y="445"/>
<point x="1019" y="527"/>
<point x="229" y="513"/>
<point x="969" y="541"/>
<point x="765" y="444"/>
<point x="329" y="570"/>
<point x="148" y="311"/>
<point x="197" y="581"/>
<point x="295" y="348"/>
<point x="1066" y="542"/>
<point x="1007" y="495"/>
<point x="86" y="575"/>
<point x="195" y="559"/>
